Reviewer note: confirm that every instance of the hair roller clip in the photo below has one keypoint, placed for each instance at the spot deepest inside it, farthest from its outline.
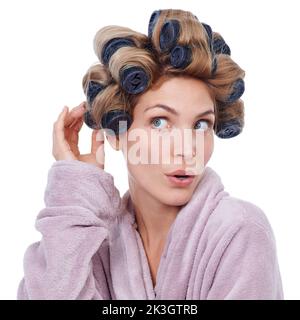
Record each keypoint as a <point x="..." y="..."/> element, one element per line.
<point x="229" y="129"/>
<point x="112" y="46"/>
<point x="90" y="121"/>
<point x="238" y="89"/>
<point x="180" y="56"/>
<point x="169" y="34"/>
<point x="152" y="22"/>
<point x="134" y="80"/>
<point x="111" y="119"/>
<point x="93" y="89"/>
<point x="220" y="46"/>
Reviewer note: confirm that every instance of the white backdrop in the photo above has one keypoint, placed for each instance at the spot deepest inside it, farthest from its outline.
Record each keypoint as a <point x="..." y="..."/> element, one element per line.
<point x="46" y="47"/>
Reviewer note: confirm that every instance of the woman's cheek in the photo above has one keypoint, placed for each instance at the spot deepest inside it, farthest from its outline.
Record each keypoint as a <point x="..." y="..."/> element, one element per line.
<point x="208" y="147"/>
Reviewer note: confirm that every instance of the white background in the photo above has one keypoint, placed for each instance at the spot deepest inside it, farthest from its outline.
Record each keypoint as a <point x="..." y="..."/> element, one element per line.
<point x="46" y="48"/>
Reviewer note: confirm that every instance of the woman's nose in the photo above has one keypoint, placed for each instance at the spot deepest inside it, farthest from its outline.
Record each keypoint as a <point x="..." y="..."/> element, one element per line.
<point x="187" y="147"/>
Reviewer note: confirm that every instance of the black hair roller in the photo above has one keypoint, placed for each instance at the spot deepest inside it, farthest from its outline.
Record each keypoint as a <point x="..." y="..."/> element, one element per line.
<point x="93" y="89"/>
<point x="152" y="22"/>
<point x="220" y="46"/>
<point x="214" y="64"/>
<point x="238" y="89"/>
<point x="111" y="119"/>
<point x="90" y="121"/>
<point x="180" y="56"/>
<point x="169" y="35"/>
<point x="112" y="46"/>
<point x="229" y="129"/>
<point x="133" y="79"/>
<point x="208" y="32"/>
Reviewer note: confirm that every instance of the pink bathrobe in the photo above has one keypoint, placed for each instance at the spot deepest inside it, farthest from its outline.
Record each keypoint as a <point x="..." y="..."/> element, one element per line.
<point x="218" y="247"/>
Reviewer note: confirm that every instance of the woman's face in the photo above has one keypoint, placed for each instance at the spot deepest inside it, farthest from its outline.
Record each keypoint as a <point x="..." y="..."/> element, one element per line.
<point x="170" y="137"/>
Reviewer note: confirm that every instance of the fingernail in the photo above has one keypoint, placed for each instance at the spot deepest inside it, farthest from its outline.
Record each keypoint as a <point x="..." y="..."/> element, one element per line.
<point x="82" y="105"/>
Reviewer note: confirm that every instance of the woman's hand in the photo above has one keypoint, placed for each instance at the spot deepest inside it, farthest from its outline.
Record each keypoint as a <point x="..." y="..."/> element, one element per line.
<point x="66" y="135"/>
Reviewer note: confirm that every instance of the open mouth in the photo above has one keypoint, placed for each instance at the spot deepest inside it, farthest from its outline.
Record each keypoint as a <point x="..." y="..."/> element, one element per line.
<point x="180" y="180"/>
<point x="181" y="177"/>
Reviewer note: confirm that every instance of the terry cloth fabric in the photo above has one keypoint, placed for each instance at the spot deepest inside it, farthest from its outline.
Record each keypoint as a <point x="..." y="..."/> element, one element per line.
<point x="218" y="247"/>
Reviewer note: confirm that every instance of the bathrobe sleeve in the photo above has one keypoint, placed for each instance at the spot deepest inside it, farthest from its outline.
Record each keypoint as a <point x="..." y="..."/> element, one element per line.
<point x="71" y="261"/>
<point x="248" y="268"/>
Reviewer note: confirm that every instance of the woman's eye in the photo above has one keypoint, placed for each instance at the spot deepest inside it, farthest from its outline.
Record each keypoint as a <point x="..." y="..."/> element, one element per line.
<point x="159" y="122"/>
<point x="205" y="124"/>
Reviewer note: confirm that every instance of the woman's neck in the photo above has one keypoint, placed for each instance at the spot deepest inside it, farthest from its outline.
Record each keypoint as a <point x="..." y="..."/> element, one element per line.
<point x="153" y="218"/>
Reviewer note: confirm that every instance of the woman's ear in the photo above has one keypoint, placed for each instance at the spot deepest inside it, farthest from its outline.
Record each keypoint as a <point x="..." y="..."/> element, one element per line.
<point x="113" y="140"/>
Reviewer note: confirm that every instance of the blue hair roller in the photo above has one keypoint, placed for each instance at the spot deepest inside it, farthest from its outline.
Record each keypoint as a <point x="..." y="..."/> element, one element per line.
<point x="112" y="46"/>
<point x="180" y="56"/>
<point x="110" y="120"/>
<point x="134" y="80"/>
<point x="208" y="31"/>
<point x="229" y="129"/>
<point x="152" y="22"/>
<point x="220" y="46"/>
<point x="89" y="120"/>
<point x="169" y="34"/>
<point x="214" y="65"/>
<point x="237" y="91"/>
<point x="93" y="89"/>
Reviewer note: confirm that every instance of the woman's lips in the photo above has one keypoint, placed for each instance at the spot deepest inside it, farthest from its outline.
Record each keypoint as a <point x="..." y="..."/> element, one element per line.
<point x="180" y="182"/>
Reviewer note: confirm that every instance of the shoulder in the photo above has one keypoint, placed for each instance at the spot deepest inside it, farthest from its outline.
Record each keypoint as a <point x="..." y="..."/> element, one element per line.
<point x="233" y="215"/>
<point x="238" y="233"/>
<point x="242" y="252"/>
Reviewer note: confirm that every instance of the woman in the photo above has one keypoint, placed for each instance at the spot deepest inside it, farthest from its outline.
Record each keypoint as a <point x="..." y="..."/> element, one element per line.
<point x="176" y="233"/>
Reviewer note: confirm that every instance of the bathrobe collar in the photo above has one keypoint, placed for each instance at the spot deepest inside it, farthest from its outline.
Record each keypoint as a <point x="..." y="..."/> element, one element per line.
<point x="129" y="265"/>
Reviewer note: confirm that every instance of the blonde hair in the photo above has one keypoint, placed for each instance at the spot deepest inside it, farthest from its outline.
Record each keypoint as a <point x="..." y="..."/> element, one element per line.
<point x="208" y="55"/>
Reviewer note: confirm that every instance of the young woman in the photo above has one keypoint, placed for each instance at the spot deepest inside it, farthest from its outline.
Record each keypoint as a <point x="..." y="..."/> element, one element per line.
<point x="176" y="233"/>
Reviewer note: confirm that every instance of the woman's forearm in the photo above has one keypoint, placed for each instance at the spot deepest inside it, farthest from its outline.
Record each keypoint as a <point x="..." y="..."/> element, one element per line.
<point x="81" y="204"/>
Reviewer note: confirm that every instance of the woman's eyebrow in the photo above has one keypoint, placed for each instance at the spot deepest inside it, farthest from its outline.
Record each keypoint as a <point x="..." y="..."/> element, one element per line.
<point x="173" y="111"/>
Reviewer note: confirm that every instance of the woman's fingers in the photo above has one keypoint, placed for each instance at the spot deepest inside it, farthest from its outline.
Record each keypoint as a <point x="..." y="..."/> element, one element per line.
<point x="72" y="125"/>
<point x="61" y="149"/>
<point x="59" y="125"/>
<point x="74" y="114"/>
<point x="78" y="125"/>
<point x="72" y="135"/>
<point x="66" y="136"/>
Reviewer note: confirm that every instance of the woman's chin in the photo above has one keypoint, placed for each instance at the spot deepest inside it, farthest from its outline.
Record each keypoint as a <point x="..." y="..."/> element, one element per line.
<point x="177" y="197"/>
